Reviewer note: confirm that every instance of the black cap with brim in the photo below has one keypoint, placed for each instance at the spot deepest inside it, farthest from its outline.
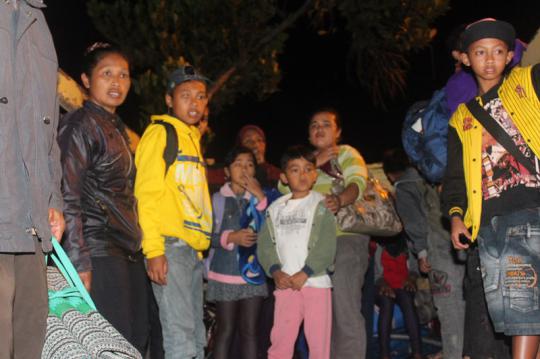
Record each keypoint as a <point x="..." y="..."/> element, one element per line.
<point x="488" y="28"/>
<point x="184" y="74"/>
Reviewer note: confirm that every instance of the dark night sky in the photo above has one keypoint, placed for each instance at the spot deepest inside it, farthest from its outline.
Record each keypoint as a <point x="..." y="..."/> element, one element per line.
<point x="313" y="75"/>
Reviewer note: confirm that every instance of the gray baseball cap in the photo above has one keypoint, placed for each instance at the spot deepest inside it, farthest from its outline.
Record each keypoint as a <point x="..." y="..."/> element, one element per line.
<point x="183" y="74"/>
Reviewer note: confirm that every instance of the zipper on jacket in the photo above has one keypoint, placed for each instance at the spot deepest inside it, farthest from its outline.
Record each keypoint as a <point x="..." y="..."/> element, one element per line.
<point x="270" y="228"/>
<point x="127" y="149"/>
<point x="193" y="206"/>
<point x="102" y="206"/>
<point x="199" y="155"/>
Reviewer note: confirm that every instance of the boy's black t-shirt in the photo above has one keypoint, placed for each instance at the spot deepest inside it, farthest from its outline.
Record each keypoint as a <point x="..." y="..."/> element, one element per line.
<point x="507" y="185"/>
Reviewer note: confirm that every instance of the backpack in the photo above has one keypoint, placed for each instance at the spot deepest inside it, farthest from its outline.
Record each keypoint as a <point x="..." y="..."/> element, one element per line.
<point x="171" y="146"/>
<point x="425" y="135"/>
<point x="249" y="266"/>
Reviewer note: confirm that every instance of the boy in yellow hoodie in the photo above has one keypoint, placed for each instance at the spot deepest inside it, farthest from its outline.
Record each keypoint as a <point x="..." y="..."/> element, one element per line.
<point x="175" y="213"/>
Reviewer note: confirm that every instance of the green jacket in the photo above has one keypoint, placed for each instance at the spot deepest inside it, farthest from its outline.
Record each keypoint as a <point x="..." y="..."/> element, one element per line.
<point x="321" y="244"/>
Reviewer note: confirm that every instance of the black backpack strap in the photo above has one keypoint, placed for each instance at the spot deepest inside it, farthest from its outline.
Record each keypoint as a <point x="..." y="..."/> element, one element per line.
<point x="491" y="126"/>
<point x="171" y="147"/>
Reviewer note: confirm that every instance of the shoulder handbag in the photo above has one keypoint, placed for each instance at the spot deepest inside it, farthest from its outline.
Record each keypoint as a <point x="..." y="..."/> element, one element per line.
<point x="488" y="122"/>
<point x="74" y="328"/>
<point x="373" y="214"/>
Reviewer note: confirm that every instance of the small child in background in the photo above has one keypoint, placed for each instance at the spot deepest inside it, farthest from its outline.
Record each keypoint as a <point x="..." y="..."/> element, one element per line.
<point x="237" y="301"/>
<point x="297" y="246"/>
<point x="395" y="284"/>
<point x="418" y="205"/>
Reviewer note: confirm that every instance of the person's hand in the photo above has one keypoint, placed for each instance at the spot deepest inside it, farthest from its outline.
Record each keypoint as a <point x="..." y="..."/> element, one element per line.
<point x="410" y="285"/>
<point x="244" y="237"/>
<point x="424" y="265"/>
<point x="332" y="202"/>
<point x="385" y="290"/>
<point x="458" y="228"/>
<point x="250" y="184"/>
<point x="298" y="280"/>
<point x="157" y="269"/>
<point x="86" y="279"/>
<point x="57" y="223"/>
<point x="282" y="280"/>
<point x="323" y="156"/>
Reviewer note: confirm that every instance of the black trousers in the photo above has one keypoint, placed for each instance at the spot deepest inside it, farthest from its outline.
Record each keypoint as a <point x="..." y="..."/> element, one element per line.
<point x="405" y="300"/>
<point x="120" y="290"/>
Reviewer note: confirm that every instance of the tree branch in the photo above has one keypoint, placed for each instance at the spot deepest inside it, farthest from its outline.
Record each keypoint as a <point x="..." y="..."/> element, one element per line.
<point x="220" y="82"/>
<point x="283" y="26"/>
<point x="287" y="22"/>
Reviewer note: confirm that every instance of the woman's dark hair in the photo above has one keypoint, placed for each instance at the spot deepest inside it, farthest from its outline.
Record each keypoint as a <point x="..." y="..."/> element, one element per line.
<point x="96" y="52"/>
<point x="296" y="152"/>
<point x="235" y="152"/>
<point x="331" y="110"/>
<point x="395" y="160"/>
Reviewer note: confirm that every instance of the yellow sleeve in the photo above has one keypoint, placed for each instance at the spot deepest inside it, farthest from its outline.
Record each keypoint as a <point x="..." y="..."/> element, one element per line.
<point x="353" y="167"/>
<point x="150" y="187"/>
<point x="283" y="188"/>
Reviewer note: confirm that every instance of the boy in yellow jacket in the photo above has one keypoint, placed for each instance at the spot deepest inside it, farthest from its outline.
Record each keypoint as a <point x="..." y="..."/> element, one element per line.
<point x="492" y="185"/>
<point x="175" y="213"/>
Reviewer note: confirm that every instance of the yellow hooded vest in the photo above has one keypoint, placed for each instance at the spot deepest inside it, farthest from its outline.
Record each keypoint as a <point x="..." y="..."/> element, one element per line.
<point x="520" y="100"/>
<point x="176" y="204"/>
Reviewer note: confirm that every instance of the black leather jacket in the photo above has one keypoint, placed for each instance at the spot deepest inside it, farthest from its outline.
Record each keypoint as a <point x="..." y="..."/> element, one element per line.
<point x="97" y="185"/>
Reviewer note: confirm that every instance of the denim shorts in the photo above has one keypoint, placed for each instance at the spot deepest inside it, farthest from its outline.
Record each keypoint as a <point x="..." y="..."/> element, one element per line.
<point x="510" y="262"/>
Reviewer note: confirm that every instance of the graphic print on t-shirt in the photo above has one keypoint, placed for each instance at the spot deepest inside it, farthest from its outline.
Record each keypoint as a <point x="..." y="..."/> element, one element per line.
<point x="500" y="170"/>
<point x="293" y="222"/>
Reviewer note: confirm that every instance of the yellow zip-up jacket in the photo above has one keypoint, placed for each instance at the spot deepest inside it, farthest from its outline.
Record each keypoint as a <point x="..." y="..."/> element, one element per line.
<point x="520" y="100"/>
<point x="176" y="204"/>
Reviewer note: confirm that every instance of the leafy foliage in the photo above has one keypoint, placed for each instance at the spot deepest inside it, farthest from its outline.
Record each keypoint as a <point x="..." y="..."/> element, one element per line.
<point x="215" y="36"/>
<point x="236" y="42"/>
<point x="383" y="34"/>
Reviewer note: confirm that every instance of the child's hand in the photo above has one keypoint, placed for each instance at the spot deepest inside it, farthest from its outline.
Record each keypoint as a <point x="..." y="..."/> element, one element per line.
<point x="282" y="280"/>
<point x="386" y="291"/>
<point x="424" y="265"/>
<point x="298" y="280"/>
<point x="244" y="237"/>
<point x="157" y="269"/>
<point x="251" y="185"/>
<point x="458" y="227"/>
<point x="410" y="285"/>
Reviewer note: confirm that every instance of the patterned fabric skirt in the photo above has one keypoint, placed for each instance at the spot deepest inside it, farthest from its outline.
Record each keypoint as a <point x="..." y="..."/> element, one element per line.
<point x="225" y="292"/>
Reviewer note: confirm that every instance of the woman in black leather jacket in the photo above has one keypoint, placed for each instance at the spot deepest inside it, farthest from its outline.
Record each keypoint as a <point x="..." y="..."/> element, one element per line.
<point x="102" y="236"/>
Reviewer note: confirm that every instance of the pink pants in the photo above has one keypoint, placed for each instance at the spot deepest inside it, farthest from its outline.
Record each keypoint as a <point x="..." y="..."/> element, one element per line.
<point x="311" y="305"/>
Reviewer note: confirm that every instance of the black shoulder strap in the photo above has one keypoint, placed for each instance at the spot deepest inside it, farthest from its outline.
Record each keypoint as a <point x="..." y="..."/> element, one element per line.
<point x="171" y="147"/>
<point x="499" y="134"/>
